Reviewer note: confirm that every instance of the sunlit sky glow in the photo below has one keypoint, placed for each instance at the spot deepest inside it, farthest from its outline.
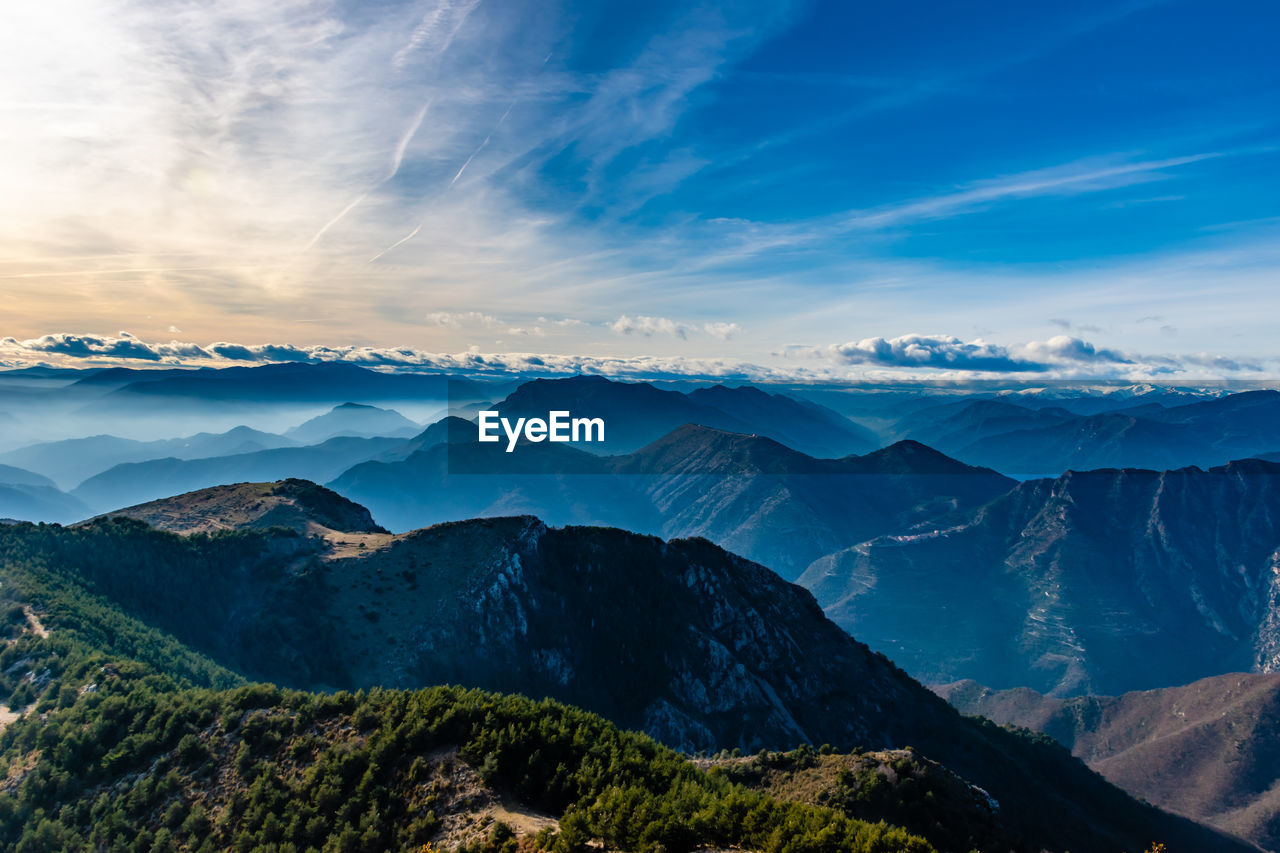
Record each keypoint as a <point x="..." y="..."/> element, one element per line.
<point x="830" y="188"/>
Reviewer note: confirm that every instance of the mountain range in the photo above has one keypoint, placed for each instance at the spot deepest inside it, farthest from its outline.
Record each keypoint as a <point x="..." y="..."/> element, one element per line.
<point x="1094" y="582"/>
<point x="637" y="413"/>
<point x="698" y="647"/>
<point x="1050" y="440"/>
<point x="138" y="482"/>
<point x="1209" y="750"/>
<point x="69" y="462"/>
<point x="748" y="493"/>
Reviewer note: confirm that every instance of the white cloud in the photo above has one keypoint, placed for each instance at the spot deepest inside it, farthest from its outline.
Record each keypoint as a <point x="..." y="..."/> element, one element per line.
<point x="99" y="350"/>
<point x="937" y="355"/>
<point x="647" y="327"/>
<point x="460" y="319"/>
<point x="1062" y="355"/>
<point x="723" y="331"/>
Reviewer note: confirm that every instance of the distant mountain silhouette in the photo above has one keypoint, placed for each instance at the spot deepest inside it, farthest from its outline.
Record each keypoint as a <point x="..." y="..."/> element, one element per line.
<point x="354" y="419"/>
<point x="636" y="413"/>
<point x="1048" y="441"/>
<point x="71" y="461"/>
<point x="138" y="482"/>
<point x="12" y="476"/>
<point x="747" y="492"/>
<point x="26" y="502"/>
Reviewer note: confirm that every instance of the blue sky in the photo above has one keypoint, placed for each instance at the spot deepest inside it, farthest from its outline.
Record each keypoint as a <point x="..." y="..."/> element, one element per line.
<point x="810" y="188"/>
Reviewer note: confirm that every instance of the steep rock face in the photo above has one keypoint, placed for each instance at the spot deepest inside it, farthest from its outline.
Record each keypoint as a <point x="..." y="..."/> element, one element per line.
<point x="1101" y="581"/>
<point x="1209" y="750"/>
<point x="716" y="650"/>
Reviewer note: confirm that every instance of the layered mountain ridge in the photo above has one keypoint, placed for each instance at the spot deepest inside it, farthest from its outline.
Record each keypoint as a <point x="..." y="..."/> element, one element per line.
<point x="695" y="645"/>
<point x="1099" y="581"/>
<point x="1209" y="750"/>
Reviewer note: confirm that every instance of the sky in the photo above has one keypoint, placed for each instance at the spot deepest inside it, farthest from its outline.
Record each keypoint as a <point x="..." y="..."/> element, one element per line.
<point x="783" y="189"/>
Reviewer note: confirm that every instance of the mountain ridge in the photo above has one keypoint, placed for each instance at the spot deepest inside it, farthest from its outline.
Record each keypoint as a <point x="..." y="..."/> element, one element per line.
<point x="680" y="638"/>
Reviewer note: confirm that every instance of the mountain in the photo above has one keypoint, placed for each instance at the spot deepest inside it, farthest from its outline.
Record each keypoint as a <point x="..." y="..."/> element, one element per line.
<point x="71" y="461"/>
<point x="11" y="476"/>
<point x="952" y="426"/>
<point x="745" y="492"/>
<point x="694" y="645"/>
<point x="448" y="430"/>
<point x="284" y="382"/>
<point x="899" y="786"/>
<point x="1209" y="750"/>
<point x="138" y="482"/>
<point x="1095" y="582"/>
<point x="298" y="505"/>
<point x="39" y="503"/>
<point x="1097" y="441"/>
<point x="1049" y="440"/>
<point x="806" y="426"/>
<point x="637" y="413"/>
<point x="460" y="477"/>
<point x="354" y="419"/>
<point x="784" y="509"/>
<point x="114" y="702"/>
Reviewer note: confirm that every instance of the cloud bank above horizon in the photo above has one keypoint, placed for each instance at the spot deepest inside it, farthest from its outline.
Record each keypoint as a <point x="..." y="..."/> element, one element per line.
<point x="725" y="185"/>
<point x="908" y="356"/>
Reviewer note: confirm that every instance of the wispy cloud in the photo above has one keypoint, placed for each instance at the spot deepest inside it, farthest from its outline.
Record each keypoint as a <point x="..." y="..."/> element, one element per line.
<point x="305" y="161"/>
<point x="1082" y="176"/>
<point x="260" y="171"/>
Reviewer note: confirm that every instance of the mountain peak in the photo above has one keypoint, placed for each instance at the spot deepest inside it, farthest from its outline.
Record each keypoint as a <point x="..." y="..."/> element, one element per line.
<point x="296" y="504"/>
<point x="354" y="419"/>
<point x="694" y="448"/>
<point x="910" y="457"/>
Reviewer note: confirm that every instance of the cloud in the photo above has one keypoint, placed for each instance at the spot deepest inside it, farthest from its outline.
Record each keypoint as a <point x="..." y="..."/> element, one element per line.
<point x="125" y="347"/>
<point x="97" y="350"/>
<point x="940" y="352"/>
<point x="1064" y="349"/>
<point x="457" y="320"/>
<point x="916" y="351"/>
<point x="289" y="159"/>
<point x="1061" y="357"/>
<point x="649" y="326"/>
<point x="723" y="331"/>
<point x="1089" y="175"/>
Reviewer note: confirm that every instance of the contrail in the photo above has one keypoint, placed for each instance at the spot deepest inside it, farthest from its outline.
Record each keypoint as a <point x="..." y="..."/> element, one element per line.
<point x="398" y="157"/>
<point x="481" y="146"/>
<point x="333" y="222"/>
<point x="441" y="16"/>
<point x="406" y="238"/>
